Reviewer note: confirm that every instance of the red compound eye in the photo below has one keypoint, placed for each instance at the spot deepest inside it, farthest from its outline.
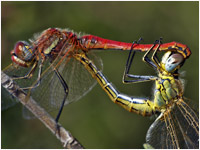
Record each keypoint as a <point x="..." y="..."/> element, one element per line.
<point x="19" y="50"/>
<point x="20" y="54"/>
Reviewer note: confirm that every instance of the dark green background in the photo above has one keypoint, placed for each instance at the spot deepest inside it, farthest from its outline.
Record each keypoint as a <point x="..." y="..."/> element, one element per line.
<point x="94" y="120"/>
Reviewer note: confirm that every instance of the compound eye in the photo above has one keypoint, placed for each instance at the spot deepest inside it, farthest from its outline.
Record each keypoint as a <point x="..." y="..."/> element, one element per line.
<point x="21" y="54"/>
<point x="19" y="49"/>
<point x="173" y="62"/>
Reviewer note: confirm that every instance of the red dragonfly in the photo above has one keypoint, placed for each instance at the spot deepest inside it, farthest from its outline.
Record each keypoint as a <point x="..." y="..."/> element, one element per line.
<point x="45" y="68"/>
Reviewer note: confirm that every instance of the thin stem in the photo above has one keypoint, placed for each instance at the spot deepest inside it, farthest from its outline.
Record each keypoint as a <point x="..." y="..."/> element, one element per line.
<point x="62" y="134"/>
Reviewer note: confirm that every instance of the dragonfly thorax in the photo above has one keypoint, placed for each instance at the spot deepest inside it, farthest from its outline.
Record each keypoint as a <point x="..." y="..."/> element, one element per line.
<point x="167" y="89"/>
<point x="54" y="41"/>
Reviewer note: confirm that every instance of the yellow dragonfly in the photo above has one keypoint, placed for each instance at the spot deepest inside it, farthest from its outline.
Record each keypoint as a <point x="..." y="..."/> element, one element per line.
<point x="177" y="124"/>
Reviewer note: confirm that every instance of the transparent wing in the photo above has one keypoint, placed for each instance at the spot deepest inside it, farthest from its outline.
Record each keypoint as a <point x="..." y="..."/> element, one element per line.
<point x="157" y="134"/>
<point x="188" y="123"/>
<point x="50" y="93"/>
<point x="175" y="128"/>
<point x="78" y="79"/>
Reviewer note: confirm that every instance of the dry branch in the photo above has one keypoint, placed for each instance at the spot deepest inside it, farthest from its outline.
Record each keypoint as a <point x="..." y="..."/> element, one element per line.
<point x="63" y="135"/>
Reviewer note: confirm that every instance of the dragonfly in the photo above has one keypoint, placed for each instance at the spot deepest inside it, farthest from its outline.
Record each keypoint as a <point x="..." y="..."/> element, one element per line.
<point x="45" y="67"/>
<point x="177" y="124"/>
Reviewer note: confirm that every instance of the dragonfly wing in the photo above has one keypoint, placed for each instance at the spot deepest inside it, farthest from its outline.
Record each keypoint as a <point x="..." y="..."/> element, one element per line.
<point x="78" y="79"/>
<point x="162" y="133"/>
<point x="42" y="93"/>
<point x="176" y="128"/>
<point x="157" y="134"/>
<point x="188" y="123"/>
<point x="50" y="93"/>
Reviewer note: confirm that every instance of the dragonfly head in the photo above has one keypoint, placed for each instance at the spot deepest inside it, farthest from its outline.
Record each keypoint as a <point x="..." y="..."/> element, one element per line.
<point x="172" y="61"/>
<point x="22" y="54"/>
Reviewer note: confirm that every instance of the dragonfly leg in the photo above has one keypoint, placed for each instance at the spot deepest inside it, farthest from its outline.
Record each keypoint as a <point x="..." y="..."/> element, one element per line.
<point x="38" y="78"/>
<point x="137" y="78"/>
<point x="29" y="74"/>
<point x="154" y="57"/>
<point x="66" y="91"/>
<point x="140" y="106"/>
<point x="153" y="62"/>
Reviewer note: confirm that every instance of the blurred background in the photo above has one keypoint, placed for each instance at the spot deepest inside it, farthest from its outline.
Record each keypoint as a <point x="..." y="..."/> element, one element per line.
<point x="95" y="120"/>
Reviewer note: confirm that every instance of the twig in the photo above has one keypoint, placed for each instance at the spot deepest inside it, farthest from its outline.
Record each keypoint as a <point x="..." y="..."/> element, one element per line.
<point x="63" y="135"/>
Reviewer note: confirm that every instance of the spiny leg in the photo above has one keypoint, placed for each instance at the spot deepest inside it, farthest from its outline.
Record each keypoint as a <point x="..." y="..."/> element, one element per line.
<point x="137" y="78"/>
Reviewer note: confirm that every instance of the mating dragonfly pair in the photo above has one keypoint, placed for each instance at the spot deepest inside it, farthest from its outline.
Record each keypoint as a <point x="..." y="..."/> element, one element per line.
<point x="50" y="70"/>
